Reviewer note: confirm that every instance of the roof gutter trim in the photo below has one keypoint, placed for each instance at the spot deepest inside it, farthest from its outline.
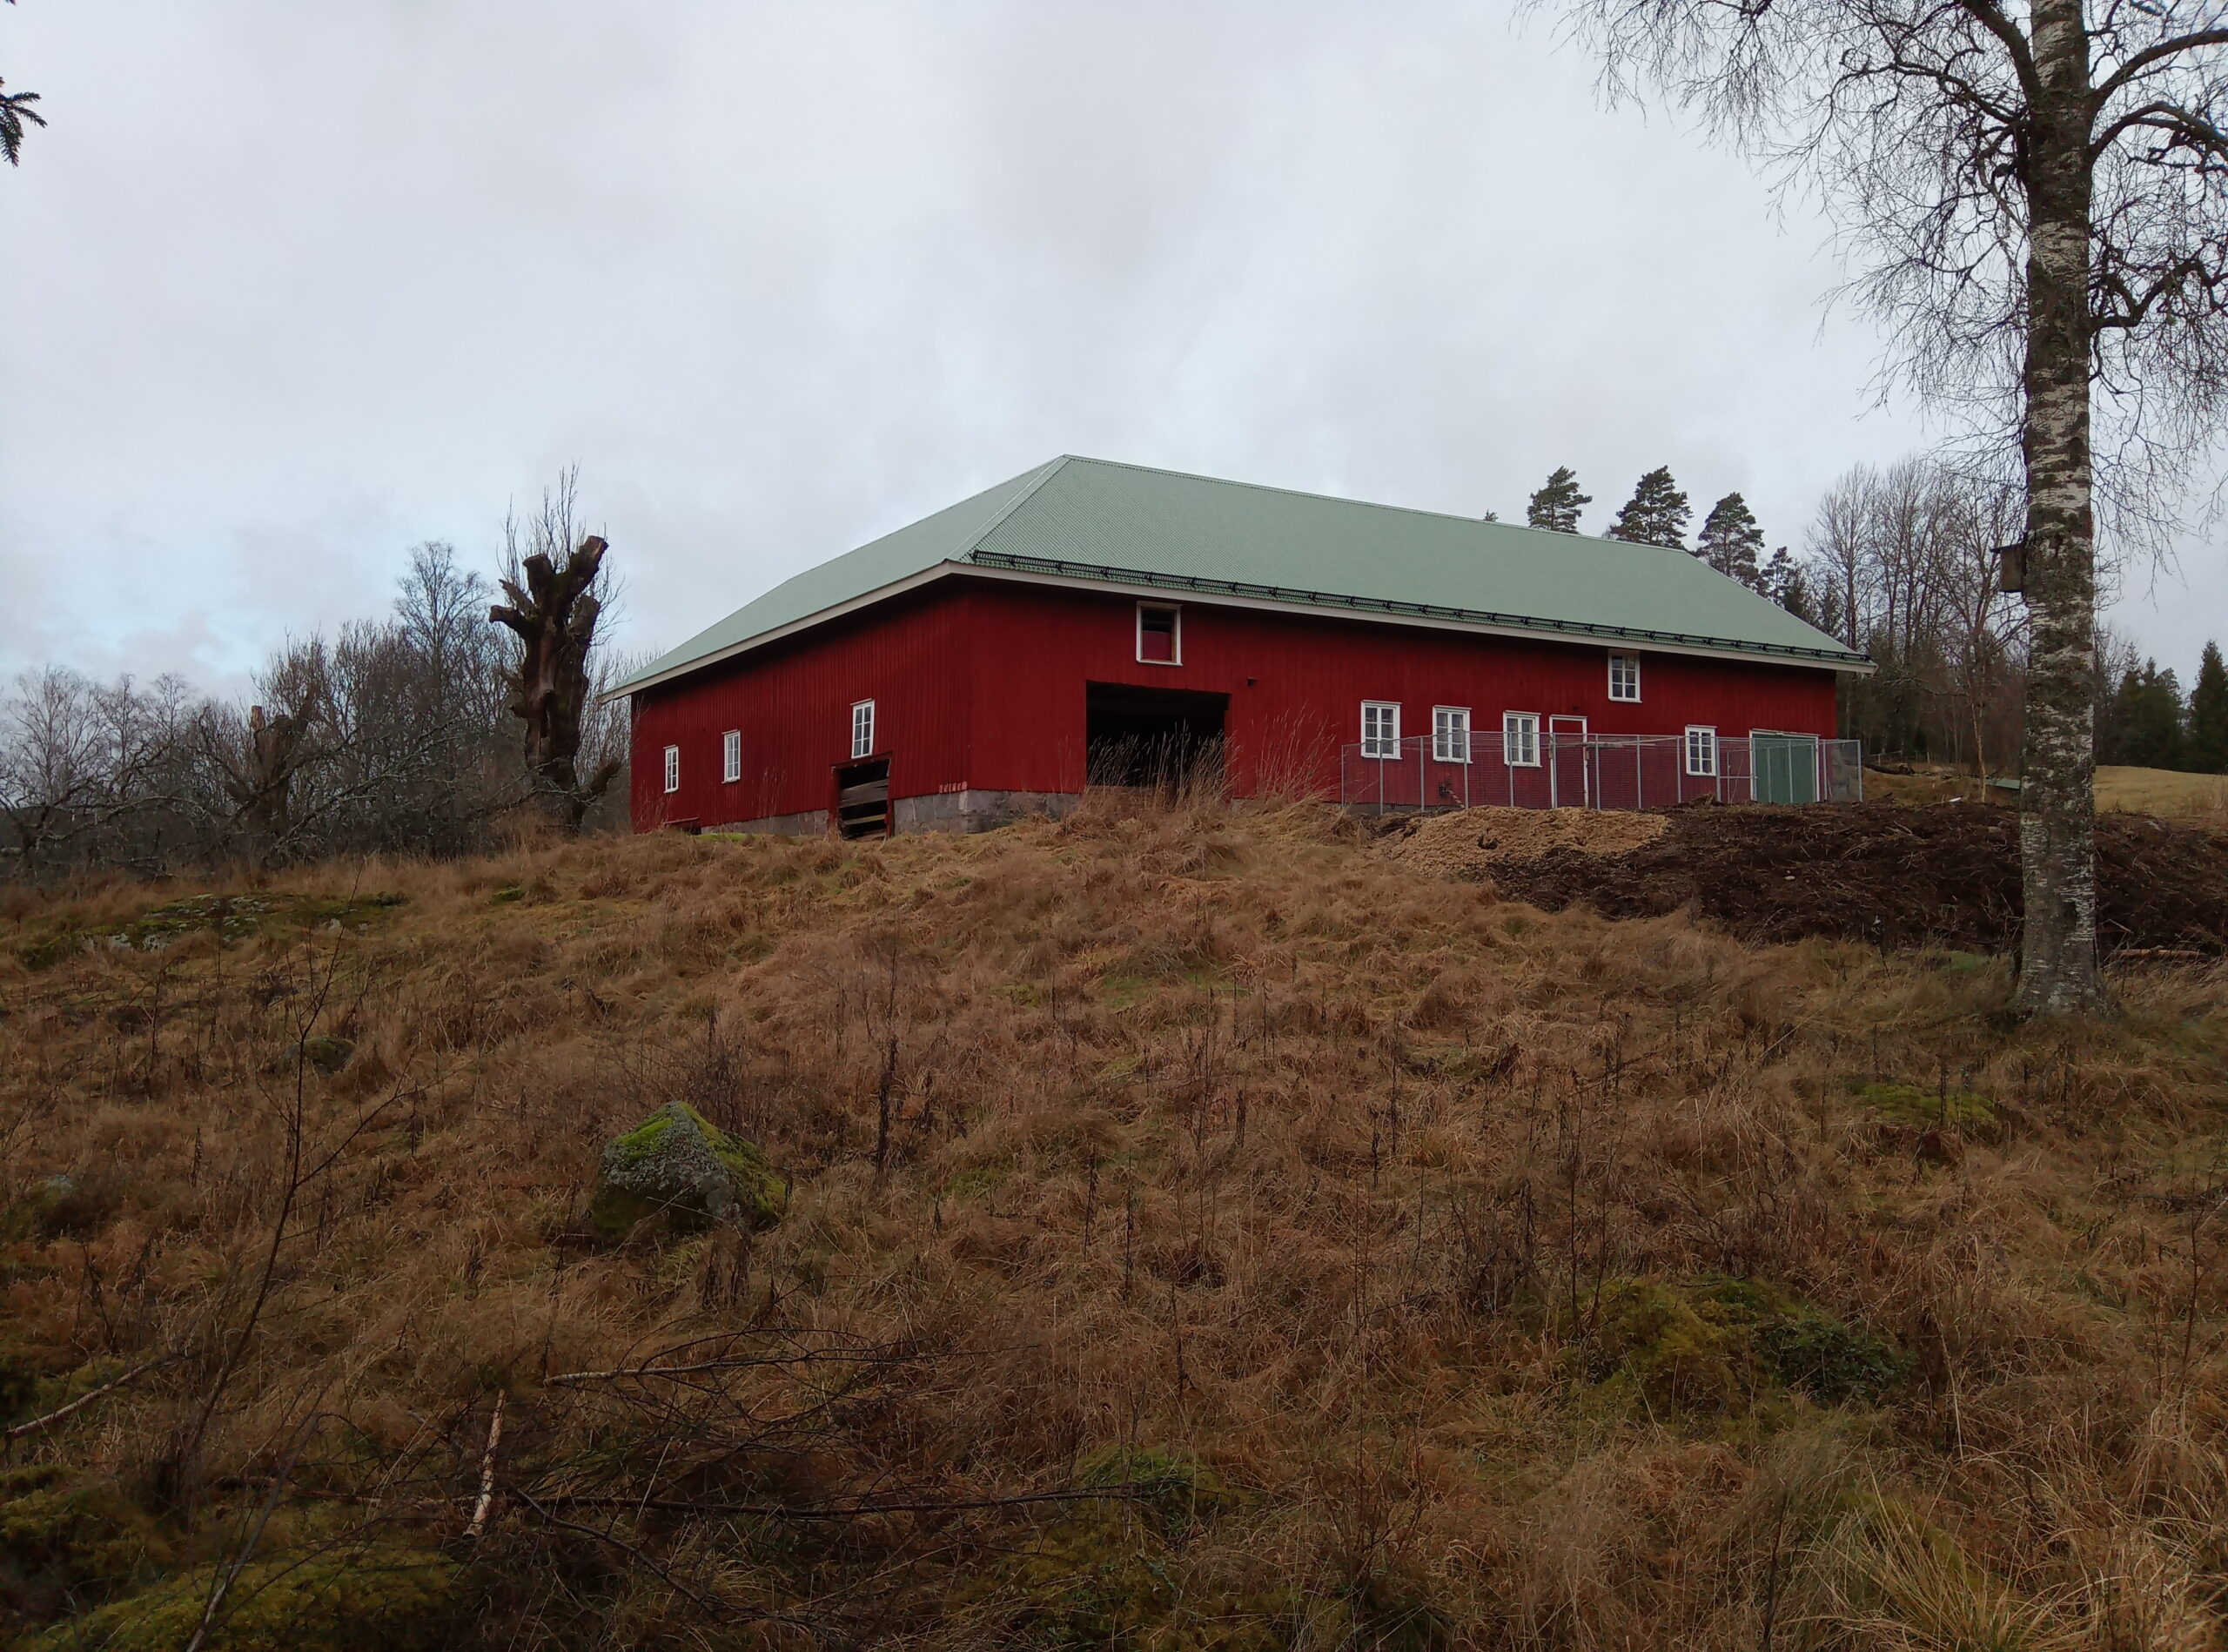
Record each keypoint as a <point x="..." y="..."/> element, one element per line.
<point x="1840" y="659"/>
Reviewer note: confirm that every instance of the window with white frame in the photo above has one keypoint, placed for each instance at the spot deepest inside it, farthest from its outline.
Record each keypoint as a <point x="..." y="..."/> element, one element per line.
<point x="1160" y="634"/>
<point x="862" y="728"/>
<point x="1380" y="728"/>
<point x="1624" y="676"/>
<point x="1450" y="734"/>
<point x="1520" y="739"/>
<point x="672" y="769"/>
<point x="731" y="755"/>
<point x="1702" y="750"/>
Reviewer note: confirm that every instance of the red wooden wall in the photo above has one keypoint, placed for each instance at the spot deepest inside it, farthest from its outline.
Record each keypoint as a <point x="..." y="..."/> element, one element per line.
<point x="980" y="683"/>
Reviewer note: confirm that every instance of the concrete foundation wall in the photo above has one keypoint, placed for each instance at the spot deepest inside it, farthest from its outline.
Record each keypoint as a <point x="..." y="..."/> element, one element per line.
<point x="974" y="810"/>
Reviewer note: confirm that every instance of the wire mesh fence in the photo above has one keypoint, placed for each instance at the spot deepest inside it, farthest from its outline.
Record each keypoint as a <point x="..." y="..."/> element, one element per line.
<point x="1598" y="771"/>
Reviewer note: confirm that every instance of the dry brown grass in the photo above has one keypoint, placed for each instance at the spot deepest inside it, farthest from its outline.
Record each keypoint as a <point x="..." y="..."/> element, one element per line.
<point x="1222" y="1147"/>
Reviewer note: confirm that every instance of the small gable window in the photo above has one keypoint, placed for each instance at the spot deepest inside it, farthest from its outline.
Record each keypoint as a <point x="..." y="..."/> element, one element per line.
<point x="731" y="755"/>
<point x="672" y="769"/>
<point x="1160" y="634"/>
<point x="1624" y="676"/>
<point x="862" y="728"/>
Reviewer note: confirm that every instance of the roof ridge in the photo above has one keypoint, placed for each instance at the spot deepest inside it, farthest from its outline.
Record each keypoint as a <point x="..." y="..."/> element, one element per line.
<point x="1044" y="474"/>
<point x="1341" y="499"/>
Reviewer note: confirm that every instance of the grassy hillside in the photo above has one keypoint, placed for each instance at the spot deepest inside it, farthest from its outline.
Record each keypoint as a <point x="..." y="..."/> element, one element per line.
<point x="1198" y="1233"/>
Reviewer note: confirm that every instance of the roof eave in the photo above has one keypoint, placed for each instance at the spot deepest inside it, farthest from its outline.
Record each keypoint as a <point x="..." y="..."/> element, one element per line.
<point x="1269" y="599"/>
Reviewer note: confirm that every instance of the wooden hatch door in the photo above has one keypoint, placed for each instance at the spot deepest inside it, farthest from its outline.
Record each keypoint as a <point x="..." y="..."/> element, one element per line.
<point x="863" y="799"/>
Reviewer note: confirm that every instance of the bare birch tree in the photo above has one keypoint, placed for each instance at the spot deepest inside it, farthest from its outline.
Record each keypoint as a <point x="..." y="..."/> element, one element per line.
<point x="2035" y="190"/>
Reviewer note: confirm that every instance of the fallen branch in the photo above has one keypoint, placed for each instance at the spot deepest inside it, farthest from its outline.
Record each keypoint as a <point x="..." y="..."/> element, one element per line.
<point x="84" y="1400"/>
<point x="743" y="1364"/>
<point x="487" y="1472"/>
<point x="847" y="1511"/>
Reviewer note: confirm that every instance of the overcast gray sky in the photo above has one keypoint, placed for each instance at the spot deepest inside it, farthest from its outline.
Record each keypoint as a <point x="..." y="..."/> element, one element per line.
<point x="285" y="289"/>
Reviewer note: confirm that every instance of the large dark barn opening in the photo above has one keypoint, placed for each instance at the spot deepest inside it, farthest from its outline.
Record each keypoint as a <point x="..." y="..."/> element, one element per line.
<point x="1168" y="739"/>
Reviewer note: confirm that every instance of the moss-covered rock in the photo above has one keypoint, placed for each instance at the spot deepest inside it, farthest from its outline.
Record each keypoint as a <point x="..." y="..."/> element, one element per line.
<point x="378" y="1600"/>
<point x="1718" y="1344"/>
<point x="678" y="1167"/>
<point x="57" y="1206"/>
<point x="328" y="1055"/>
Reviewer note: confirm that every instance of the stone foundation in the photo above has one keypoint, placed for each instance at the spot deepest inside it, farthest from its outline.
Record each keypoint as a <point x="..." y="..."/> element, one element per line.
<point x="974" y="810"/>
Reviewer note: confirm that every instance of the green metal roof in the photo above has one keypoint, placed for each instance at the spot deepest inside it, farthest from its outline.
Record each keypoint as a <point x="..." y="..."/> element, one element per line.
<point x="1091" y="519"/>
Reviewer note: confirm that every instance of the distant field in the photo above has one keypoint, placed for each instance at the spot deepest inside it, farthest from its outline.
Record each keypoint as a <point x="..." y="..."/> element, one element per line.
<point x="2141" y="791"/>
<point x="2160" y="792"/>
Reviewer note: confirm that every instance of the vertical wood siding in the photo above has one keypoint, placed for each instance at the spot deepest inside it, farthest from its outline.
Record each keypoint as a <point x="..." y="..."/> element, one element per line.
<point x="980" y="683"/>
<point x="792" y="702"/>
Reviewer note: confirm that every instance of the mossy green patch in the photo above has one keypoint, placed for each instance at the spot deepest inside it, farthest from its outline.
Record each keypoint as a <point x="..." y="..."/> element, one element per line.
<point x="1932" y="1109"/>
<point x="374" y="1599"/>
<point x="1716" y="1346"/>
<point x="63" y="1539"/>
<point x="1116" y="1573"/>
<point x="230" y="918"/>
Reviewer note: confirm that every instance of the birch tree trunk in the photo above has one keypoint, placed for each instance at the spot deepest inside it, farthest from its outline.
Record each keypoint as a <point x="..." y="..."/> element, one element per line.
<point x="2058" y="972"/>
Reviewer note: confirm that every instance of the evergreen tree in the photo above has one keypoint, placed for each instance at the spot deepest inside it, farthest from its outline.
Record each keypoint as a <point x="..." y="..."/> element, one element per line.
<point x="2208" y="730"/>
<point x="1656" y="514"/>
<point x="1781" y="580"/>
<point x="1730" y="541"/>
<point x="2142" y="722"/>
<point x="1556" y="504"/>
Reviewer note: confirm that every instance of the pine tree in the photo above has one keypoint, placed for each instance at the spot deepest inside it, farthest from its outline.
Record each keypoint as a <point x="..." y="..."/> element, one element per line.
<point x="2208" y="732"/>
<point x="2142" y="722"/>
<point x="1730" y="541"/>
<point x="1556" y="504"/>
<point x="1656" y="514"/>
<point x="1781" y="580"/>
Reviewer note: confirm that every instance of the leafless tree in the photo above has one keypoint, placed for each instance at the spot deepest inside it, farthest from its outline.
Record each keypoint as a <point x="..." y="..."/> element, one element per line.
<point x="1902" y="561"/>
<point x="555" y="582"/>
<point x="2035" y="189"/>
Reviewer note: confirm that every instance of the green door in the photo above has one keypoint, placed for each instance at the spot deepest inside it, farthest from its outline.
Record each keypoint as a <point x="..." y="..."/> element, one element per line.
<point x="1785" y="766"/>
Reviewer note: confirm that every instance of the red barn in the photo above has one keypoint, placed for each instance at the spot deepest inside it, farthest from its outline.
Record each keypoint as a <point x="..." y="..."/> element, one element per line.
<point x="1092" y="624"/>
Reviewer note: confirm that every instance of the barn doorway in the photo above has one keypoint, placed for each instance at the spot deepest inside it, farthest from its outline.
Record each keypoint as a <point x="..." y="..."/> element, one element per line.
<point x="1163" y="739"/>
<point x="863" y="799"/>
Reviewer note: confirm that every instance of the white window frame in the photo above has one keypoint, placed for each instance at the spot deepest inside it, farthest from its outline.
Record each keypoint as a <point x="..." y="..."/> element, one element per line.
<point x="1450" y="734"/>
<point x="1519" y="735"/>
<point x="1632" y="660"/>
<point x="1380" y="728"/>
<point x="1175" y="613"/>
<point x="672" y="769"/>
<point x="862" y="729"/>
<point x="1702" y="750"/>
<point x="731" y="757"/>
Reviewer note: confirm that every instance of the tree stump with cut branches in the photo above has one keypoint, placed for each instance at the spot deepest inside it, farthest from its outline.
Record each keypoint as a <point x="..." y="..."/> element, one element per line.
<point x="552" y="611"/>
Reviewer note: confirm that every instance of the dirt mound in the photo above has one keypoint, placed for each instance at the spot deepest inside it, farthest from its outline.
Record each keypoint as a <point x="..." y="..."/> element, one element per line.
<point x="1473" y="842"/>
<point x="1943" y="875"/>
